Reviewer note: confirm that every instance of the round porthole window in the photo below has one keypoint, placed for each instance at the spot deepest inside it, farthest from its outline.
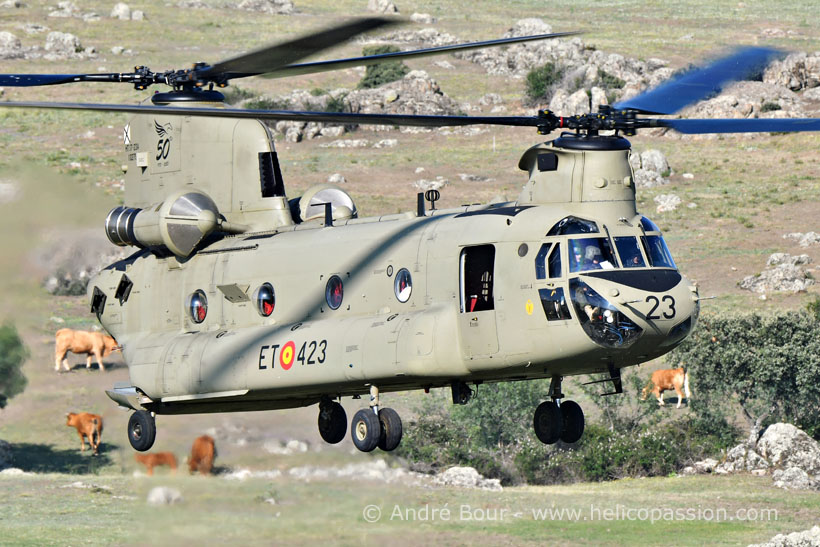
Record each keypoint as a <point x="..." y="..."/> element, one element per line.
<point x="265" y="299"/>
<point x="198" y="306"/>
<point x="334" y="292"/>
<point x="403" y="285"/>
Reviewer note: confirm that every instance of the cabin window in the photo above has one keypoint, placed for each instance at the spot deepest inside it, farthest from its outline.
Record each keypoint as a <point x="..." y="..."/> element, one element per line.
<point x="630" y="252"/>
<point x="477" y="276"/>
<point x="334" y="292"/>
<point x="403" y="285"/>
<point x="555" y="261"/>
<point x="265" y="299"/>
<point x="592" y="253"/>
<point x="198" y="306"/>
<point x="554" y="304"/>
<point x="658" y="252"/>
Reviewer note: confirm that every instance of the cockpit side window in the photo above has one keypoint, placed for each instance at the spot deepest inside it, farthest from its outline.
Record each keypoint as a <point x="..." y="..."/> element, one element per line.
<point x="477" y="277"/>
<point x="555" y="261"/>
<point x="658" y="252"/>
<point x="591" y="254"/>
<point x="573" y="225"/>
<point x="541" y="261"/>
<point x="630" y="252"/>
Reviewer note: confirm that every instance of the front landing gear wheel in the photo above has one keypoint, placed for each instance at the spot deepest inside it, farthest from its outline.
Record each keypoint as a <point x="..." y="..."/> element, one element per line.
<point x="332" y="422"/>
<point x="142" y="430"/>
<point x="548" y="422"/>
<point x="573" y="424"/>
<point x="365" y="429"/>
<point x="390" y="430"/>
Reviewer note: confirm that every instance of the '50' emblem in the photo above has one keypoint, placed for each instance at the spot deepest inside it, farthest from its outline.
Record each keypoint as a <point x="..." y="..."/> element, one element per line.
<point x="165" y="138"/>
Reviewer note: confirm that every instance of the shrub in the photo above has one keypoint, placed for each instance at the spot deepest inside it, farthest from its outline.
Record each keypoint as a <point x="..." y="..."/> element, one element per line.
<point x="382" y="73"/>
<point x="13" y="353"/>
<point x="541" y="81"/>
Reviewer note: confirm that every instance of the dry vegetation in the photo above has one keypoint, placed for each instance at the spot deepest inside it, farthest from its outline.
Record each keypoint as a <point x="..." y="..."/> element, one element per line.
<point x="748" y="192"/>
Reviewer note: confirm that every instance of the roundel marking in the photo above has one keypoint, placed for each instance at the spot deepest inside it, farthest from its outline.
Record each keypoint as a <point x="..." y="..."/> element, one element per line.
<point x="529" y="307"/>
<point x="286" y="357"/>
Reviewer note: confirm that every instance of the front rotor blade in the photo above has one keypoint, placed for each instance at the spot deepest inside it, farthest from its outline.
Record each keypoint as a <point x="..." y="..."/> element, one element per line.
<point x="290" y="115"/>
<point x="274" y="57"/>
<point x="30" y="80"/>
<point x="700" y="84"/>
<point x="338" y="64"/>
<point x="742" y="125"/>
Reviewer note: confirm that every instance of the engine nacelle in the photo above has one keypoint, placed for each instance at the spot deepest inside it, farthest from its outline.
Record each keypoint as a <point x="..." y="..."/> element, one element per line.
<point x="179" y="223"/>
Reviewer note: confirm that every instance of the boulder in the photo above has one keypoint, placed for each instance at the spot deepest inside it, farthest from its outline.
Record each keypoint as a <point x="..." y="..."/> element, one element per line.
<point x="423" y="18"/>
<point x="666" y="202"/>
<point x="793" y="478"/>
<point x="466" y="477"/>
<point x="121" y="11"/>
<point x="63" y="45"/>
<point x="382" y="6"/>
<point x="649" y="168"/>
<point x="807" y="538"/>
<point x="785" y="273"/>
<point x="10" y="46"/>
<point x="741" y="459"/>
<point x="784" y="445"/>
<point x="164" y="495"/>
<point x="809" y="238"/>
<point x="273" y="7"/>
<point x="797" y="71"/>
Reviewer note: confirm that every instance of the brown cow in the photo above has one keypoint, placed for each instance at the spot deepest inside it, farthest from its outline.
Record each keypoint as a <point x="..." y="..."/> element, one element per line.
<point x="80" y="341"/>
<point x="202" y="457"/>
<point x="667" y="379"/>
<point x="87" y="424"/>
<point x="160" y="458"/>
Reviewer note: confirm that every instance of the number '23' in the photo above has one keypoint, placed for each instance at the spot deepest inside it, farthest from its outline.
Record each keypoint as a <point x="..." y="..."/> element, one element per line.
<point x="668" y="313"/>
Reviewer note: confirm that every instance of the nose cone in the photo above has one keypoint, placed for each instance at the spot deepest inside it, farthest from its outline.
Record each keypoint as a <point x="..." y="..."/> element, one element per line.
<point x="661" y="302"/>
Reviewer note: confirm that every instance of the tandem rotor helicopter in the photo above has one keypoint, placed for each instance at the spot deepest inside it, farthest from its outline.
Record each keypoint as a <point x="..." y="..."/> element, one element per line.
<point x="238" y="298"/>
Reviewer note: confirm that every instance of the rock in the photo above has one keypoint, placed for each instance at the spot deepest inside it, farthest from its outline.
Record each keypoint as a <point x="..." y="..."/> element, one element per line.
<point x="785" y="274"/>
<point x="62" y="45"/>
<point x="386" y="143"/>
<point x="117" y="50"/>
<point x="10" y="46"/>
<point x="667" y="202"/>
<point x="34" y="28"/>
<point x="784" y="445"/>
<point x="473" y="178"/>
<point x="654" y="160"/>
<point x="423" y="18"/>
<point x="137" y="15"/>
<point x="12" y="4"/>
<point x="466" y="477"/>
<point x="794" y="478"/>
<point x="192" y="4"/>
<point x="705" y="466"/>
<point x="65" y="9"/>
<point x="163" y="495"/>
<point x="741" y="459"/>
<point x="570" y="104"/>
<point x="490" y="99"/>
<point x="797" y="71"/>
<point x="382" y="6"/>
<point x="347" y="143"/>
<point x="273" y="7"/>
<point x="809" y="238"/>
<point x="807" y="538"/>
<point x="336" y="178"/>
<point x="6" y="455"/>
<point x="121" y="11"/>
<point x="437" y="184"/>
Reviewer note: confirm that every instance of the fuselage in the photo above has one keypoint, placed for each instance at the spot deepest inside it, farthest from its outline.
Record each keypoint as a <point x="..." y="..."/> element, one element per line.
<point x="491" y="293"/>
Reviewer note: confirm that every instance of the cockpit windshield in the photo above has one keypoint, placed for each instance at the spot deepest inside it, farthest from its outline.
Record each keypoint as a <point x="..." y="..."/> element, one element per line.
<point x="630" y="252"/>
<point x="658" y="252"/>
<point x="593" y="253"/>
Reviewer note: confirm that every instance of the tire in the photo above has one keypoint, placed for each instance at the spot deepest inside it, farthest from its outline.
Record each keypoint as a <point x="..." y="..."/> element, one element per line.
<point x="332" y="423"/>
<point x="142" y="430"/>
<point x="548" y="422"/>
<point x="573" y="421"/>
<point x="365" y="430"/>
<point x="390" y="429"/>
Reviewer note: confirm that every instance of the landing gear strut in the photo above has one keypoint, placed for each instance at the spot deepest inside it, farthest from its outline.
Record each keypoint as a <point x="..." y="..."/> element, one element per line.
<point x="142" y="430"/>
<point x="376" y="426"/>
<point x="557" y="419"/>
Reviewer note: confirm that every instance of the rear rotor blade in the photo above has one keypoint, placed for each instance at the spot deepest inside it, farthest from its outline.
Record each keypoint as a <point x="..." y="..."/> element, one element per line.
<point x="271" y="58"/>
<point x="338" y="64"/>
<point x="702" y="83"/>
<point x="742" y="125"/>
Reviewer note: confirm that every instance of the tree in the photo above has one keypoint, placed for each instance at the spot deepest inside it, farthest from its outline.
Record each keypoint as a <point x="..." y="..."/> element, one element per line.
<point x="13" y="353"/>
<point x="769" y="365"/>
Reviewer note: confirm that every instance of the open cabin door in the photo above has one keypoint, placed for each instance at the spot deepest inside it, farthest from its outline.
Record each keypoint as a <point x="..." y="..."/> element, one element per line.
<point x="477" y="320"/>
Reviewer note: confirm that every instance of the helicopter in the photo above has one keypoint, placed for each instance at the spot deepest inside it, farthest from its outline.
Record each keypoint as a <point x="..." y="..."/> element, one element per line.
<point x="239" y="298"/>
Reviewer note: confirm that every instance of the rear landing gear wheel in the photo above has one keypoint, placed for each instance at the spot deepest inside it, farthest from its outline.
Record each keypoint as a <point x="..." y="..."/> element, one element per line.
<point x="390" y="430"/>
<point x="332" y="422"/>
<point x="573" y="423"/>
<point x="548" y="422"/>
<point x="142" y="430"/>
<point x="365" y="430"/>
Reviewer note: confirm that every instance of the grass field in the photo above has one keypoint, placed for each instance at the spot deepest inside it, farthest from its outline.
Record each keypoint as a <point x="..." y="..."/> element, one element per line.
<point x="747" y="192"/>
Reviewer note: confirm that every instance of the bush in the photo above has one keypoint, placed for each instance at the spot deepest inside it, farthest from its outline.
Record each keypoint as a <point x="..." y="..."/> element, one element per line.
<point x="383" y="73"/>
<point x="541" y="81"/>
<point x="13" y="353"/>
